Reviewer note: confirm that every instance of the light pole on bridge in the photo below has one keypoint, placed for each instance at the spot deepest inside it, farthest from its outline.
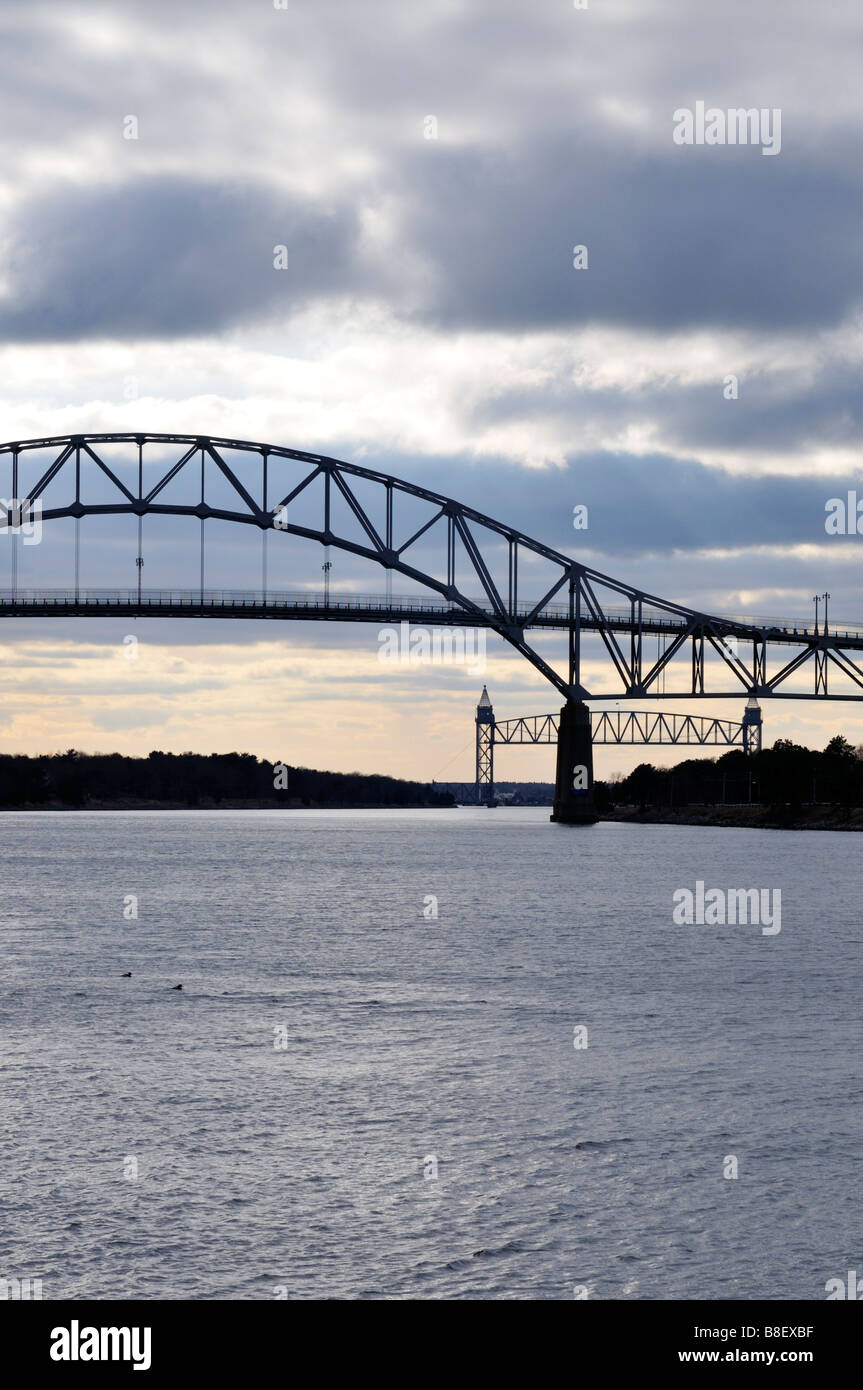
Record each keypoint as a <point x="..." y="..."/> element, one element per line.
<point x="816" y="599"/>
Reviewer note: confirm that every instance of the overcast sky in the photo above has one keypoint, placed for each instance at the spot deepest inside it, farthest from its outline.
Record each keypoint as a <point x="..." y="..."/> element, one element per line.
<point x="430" y="169"/>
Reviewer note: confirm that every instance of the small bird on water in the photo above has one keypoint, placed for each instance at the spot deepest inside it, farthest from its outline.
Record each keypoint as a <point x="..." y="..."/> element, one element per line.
<point x="176" y="986"/>
<point x="127" y="975"/>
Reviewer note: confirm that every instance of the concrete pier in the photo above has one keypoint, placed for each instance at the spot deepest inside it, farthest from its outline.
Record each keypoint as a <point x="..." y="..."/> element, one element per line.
<point x="573" y="791"/>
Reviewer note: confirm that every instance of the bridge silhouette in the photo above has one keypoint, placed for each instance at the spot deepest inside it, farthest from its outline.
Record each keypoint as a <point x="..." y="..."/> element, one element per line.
<point x="467" y="569"/>
<point x="616" y="727"/>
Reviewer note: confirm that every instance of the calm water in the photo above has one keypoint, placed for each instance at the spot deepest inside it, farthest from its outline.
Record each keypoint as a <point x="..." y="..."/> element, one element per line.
<point x="300" y="1168"/>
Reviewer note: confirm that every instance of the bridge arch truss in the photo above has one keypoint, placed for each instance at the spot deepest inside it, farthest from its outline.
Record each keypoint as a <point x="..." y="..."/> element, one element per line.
<point x="472" y="570"/>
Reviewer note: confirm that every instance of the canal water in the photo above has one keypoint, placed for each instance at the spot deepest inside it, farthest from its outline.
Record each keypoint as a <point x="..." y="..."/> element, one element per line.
<point x="425" y="1054"/>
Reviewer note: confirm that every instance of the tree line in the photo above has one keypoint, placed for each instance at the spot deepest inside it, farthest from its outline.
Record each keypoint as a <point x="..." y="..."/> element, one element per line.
<point x="786" y="774"/>
<point x="76" y="779"/>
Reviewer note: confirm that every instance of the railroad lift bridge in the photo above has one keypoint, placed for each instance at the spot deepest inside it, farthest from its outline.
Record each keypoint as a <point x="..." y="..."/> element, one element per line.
<point x="467" y="570"/>
<point x="609" y="727"/>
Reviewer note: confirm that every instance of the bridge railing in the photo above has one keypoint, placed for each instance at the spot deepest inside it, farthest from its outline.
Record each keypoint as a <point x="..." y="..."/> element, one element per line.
<point x="658" y="620"/>
<point x="257" y="598"/>
<point x="214" y="598"/>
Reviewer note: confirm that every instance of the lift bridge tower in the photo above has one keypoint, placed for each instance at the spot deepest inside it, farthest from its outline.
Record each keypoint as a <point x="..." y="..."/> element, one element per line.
<point x="484" y="751"/>
<point x="752" y="726"/>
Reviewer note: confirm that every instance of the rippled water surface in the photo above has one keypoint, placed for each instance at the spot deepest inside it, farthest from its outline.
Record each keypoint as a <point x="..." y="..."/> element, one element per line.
<point x="165" y="1144"/>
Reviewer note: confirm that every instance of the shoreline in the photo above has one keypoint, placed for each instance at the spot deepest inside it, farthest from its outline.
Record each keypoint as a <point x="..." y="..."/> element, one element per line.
<point x="720" y="817"/>
<point x="825" y="817"/>
<point x="228" y="804"/>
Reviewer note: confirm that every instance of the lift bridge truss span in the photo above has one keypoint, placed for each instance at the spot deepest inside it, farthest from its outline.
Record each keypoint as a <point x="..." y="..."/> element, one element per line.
<point x="630" y="727"/>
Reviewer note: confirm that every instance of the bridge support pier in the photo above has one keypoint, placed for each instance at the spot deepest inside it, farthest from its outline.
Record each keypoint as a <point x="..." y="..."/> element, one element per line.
<point x="573" y="790"/>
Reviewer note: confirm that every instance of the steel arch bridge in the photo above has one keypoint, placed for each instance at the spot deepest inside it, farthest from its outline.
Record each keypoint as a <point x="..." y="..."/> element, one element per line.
<point x="472" y="570"/>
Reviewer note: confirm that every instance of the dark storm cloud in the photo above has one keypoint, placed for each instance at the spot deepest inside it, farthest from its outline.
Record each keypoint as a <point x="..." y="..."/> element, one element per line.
<point x="639" y="505"/>
<point x="166" y="257"/>
<point x="671" y="245"/>
<point x="726" y="238"/>
<point x="527" y="165"/>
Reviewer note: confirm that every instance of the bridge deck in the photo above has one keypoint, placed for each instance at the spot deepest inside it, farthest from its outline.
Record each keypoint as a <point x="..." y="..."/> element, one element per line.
<point x="377" y="608"/>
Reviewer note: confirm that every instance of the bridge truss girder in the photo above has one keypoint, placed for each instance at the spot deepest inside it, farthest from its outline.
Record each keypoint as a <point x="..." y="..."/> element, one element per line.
<point x="636" y="727"/>
<point x="471" y="550"/>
